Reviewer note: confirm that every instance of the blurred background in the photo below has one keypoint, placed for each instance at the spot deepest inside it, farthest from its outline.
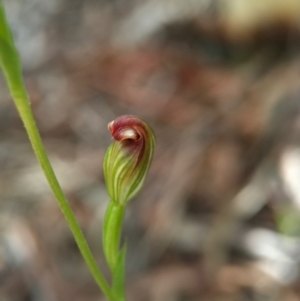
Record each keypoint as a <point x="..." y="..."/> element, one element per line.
<point x="219" y="81"/>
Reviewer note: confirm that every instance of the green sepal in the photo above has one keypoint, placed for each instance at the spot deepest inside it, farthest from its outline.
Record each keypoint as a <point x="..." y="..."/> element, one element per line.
<point x="118" y="168"/>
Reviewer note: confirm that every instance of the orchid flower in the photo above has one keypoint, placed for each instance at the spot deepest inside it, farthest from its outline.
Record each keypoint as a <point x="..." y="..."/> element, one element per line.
<point x="126" y="166"/>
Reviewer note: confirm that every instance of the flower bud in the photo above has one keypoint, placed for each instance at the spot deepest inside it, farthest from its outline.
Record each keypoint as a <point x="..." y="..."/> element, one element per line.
<point x="128" y="158"/>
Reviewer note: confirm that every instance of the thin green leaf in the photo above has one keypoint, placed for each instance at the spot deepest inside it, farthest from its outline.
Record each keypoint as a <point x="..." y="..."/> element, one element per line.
<point x="11" y="67"/>
<point x="9" y="59"/>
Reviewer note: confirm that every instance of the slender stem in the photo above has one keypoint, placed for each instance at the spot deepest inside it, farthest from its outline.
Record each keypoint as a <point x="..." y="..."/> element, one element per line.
<point x="112" y="229"/>
<point x="28" y="119"/>
<point x="115" y="257"/>
<point x="11" y="67"/>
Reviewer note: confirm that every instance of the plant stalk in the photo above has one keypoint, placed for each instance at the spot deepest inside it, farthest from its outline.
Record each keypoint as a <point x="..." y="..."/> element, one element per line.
<point x="112" y="229"/>
<point x="11" y="66"/>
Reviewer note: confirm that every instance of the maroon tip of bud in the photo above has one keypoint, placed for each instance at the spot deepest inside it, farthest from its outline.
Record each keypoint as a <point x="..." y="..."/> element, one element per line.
<point x="131" y="132"/>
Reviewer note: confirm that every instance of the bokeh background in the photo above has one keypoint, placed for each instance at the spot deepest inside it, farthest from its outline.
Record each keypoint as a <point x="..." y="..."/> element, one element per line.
<point x="219" y="81"/>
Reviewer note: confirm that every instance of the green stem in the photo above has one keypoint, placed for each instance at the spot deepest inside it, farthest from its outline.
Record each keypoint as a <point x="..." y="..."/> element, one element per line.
<point x="11" y="67"/>
<point x="28" y="119"/>
<point x="112" y="229"/>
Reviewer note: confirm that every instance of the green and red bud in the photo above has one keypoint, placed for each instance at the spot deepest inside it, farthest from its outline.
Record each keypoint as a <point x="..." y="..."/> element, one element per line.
<point x="128" y="158"/>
